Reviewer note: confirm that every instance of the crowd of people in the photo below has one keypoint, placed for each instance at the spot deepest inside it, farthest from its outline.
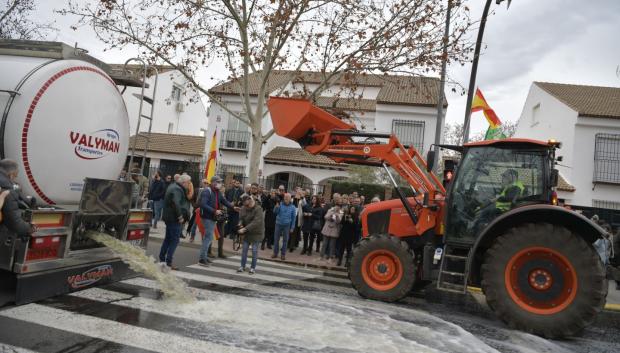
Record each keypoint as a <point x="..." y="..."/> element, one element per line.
<point x="281" y="220"/>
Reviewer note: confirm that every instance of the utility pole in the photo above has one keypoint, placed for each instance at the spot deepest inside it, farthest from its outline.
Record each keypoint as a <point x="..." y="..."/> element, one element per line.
<point x="442" y="85"/>
<point x="474" y="68"/>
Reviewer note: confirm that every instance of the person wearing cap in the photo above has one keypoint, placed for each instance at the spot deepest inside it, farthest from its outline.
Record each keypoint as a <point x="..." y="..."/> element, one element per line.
<point x="252" y="228"/>
<point x="211" y="200"/>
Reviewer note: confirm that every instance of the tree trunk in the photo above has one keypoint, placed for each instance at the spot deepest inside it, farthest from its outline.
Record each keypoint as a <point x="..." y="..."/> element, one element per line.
<point x="255" y="151"/>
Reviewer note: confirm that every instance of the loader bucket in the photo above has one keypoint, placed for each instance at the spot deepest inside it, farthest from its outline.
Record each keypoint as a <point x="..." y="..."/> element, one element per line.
<point x="293" y="118"/>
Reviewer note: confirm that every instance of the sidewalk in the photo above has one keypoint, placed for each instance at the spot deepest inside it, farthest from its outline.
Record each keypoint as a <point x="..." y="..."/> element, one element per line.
<point x="294" y="258"/>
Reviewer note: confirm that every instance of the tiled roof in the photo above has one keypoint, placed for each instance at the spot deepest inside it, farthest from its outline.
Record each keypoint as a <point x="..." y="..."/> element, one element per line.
<point x="171" y="143"/>
<point x="564" y="185"/>
<point x="394" y="89"/>
<point x="592" y="101"/>
<point x="300" y="157"/>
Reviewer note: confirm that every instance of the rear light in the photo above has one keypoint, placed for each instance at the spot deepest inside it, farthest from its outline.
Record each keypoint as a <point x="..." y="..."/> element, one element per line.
<point x="138" y="217"/>
<point x="135" y="234"/>
<point x="40" y="248"/>
<point x="554" y="198"/>
<point x="48" y="220"/>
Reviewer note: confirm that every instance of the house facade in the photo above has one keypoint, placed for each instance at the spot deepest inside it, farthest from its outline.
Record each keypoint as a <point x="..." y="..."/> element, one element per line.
<point x="402" y="104"/>
<point x="586" y="119"/>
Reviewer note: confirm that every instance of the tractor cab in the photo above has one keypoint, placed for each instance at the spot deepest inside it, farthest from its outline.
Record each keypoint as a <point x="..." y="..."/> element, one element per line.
<point x="494" y="177"/>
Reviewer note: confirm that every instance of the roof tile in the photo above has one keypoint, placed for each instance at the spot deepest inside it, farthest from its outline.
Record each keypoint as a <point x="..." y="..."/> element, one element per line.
<point x="301" y="157"/>
<point x="171" y="143"/>
<point x="591" y="101"/>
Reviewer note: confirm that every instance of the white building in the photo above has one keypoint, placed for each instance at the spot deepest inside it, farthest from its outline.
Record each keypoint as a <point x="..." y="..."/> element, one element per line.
<point x="403" y="104"/>
<point x="179" y="120"/>
<point x="586" y="119"/>
<point x="178" y="109"/>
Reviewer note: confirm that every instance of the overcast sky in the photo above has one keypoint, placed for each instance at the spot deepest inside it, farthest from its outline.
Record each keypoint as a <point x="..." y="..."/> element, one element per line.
<point x="565" y="41"/>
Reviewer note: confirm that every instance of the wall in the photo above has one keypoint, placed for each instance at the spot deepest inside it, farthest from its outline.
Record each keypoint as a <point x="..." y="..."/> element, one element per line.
<point x="386" y="113"/>
<point x="583" y="167"/>
<point x="555" y="120"/>
<point x="188" y="122"/>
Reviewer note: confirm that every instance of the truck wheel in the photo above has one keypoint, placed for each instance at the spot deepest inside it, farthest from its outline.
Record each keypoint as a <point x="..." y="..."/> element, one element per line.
<point x="544" y="279"/>
<point x="382" y="268"/>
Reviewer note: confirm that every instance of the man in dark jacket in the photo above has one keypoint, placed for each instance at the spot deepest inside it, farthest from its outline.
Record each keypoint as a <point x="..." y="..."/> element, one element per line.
<point x="233" y="195"/>
<point x="157" y="192"/>
<point x="211" y="201"/>
<point x="252" y="229"/>
<point x="11" y="212"/>
<point x="176" y="212"/>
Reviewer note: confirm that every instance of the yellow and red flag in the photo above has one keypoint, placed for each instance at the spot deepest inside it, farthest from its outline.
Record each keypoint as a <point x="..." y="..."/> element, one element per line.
<point x="209" y="172"/>
<point x="478" y="104"/>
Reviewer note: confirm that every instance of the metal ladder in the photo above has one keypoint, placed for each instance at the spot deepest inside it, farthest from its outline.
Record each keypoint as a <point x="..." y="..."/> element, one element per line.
<point x="453" y="273"/>
<point x="150" y="100"/>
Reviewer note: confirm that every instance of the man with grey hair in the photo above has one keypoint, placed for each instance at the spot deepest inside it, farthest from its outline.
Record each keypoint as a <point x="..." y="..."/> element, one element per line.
<point x="176" y="213"/>
<point x="11" y="212"/>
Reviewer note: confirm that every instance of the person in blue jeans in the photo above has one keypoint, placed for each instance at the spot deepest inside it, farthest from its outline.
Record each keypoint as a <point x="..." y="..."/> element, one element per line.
<point x="157" y="192"/>
<point x="252" y="228"/>
<point x="286" y="214"/>
<point x="211" y="200"/>
<point x="176" y="212"/>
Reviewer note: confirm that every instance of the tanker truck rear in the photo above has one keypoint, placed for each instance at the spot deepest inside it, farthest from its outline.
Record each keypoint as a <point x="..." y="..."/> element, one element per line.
<point x="64" y="121"/>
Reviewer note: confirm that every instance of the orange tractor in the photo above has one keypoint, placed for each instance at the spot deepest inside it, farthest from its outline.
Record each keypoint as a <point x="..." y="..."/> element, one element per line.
<point x="497" y="227"/>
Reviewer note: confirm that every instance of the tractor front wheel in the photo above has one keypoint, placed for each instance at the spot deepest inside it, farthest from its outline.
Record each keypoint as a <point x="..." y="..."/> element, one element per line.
<point x="382" y="268"/>
<point x="544" y="279"/>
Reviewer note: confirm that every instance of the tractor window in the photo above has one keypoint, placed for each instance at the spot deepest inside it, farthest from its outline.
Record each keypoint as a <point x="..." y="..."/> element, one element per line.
<point x="489" y="182"/>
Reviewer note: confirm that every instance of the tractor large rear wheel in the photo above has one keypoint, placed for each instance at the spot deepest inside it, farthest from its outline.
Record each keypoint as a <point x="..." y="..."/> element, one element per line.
<point x="544" y="279"/>
<point x="382" y="268"/>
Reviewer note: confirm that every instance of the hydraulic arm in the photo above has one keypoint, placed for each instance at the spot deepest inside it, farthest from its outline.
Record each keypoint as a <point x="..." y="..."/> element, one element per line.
<point x="320" y="132"/>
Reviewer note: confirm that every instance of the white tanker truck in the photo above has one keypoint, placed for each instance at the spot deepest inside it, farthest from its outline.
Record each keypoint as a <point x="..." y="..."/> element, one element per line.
<point x="64" y="121"/>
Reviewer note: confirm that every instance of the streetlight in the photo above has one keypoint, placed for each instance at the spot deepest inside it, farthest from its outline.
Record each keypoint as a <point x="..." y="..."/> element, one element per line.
<point x="474" y="67"/>
<point x="440" y="115"/>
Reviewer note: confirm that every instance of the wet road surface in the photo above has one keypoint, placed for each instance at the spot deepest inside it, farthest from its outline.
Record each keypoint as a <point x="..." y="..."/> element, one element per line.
<point x="281" y="309"/>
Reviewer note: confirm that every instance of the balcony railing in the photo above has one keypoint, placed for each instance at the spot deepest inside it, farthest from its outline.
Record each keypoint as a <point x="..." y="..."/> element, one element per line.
<point x="235" y="140"/>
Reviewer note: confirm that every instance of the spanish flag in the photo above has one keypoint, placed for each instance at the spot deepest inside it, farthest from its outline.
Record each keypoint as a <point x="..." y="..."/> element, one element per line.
<point x="479" y="103"/>
<point x="209" y="172"/>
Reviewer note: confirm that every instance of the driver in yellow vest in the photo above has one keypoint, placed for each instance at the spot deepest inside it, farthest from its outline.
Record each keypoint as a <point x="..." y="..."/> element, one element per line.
<point x="511" y="191"/>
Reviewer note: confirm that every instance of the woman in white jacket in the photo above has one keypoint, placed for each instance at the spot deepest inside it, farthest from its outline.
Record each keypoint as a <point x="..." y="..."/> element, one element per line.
<point x="331" y="231"/>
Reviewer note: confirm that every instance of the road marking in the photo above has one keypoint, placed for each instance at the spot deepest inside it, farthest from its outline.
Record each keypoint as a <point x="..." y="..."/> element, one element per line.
<point x="289" y="270"/>
<point x="259" y="276"/>
<point x="113" y="331"/>
<point x="7" y="348"/>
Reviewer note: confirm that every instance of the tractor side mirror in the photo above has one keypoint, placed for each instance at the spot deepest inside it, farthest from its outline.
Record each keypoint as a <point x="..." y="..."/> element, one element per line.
<point x="430" y="160"/>
<point x="555" y="176"/>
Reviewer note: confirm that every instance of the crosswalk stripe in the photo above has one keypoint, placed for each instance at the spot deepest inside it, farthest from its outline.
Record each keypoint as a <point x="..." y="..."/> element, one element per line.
<point x="113" y="331"/>
<point x="336" y="273"/>
<point x="285" y="271"/>
<point x="264" y="277"/>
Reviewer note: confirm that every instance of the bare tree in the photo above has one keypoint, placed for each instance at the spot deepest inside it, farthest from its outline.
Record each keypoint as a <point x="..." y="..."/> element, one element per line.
<point x="16" y="21"/>
<point x="339" y="39"/>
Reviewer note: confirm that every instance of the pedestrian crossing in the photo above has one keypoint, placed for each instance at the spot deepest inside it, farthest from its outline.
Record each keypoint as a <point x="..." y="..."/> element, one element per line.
<point x="282" y="308"/>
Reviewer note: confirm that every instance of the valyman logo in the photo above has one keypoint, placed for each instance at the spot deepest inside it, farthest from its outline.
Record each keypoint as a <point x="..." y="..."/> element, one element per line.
<point x="97" y="144"/>
<point x="91" y="276"/>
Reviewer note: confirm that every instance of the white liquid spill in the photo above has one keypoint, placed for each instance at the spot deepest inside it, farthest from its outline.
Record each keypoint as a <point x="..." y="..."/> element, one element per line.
<point x="137" y="259"/>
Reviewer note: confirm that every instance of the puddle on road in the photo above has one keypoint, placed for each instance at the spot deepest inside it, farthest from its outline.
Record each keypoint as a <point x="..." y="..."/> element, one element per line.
<point x="137" y="259"/>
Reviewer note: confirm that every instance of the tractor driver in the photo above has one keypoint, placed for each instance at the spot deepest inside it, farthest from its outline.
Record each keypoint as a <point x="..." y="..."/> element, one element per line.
<point x="512" y="189"/>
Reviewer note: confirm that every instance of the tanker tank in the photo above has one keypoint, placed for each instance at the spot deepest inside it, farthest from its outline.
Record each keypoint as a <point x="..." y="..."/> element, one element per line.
<point x="63" y="120"/>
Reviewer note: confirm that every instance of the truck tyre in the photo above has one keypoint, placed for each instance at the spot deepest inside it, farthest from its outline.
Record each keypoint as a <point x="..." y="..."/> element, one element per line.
<point x="544" y="279"/>
<point x="382" y="268"/>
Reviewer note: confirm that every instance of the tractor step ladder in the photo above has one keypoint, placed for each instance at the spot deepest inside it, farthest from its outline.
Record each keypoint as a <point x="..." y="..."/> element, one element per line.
<point x="144" y="135"/>
<point x="453" y="270"/>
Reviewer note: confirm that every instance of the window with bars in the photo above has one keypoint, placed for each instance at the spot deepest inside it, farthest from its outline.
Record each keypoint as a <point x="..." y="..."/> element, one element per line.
<point x="409" y="133"/>
<point x="222" y="169"/>
<point x="607" y="158"/>
<point x="610" y="205"/>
